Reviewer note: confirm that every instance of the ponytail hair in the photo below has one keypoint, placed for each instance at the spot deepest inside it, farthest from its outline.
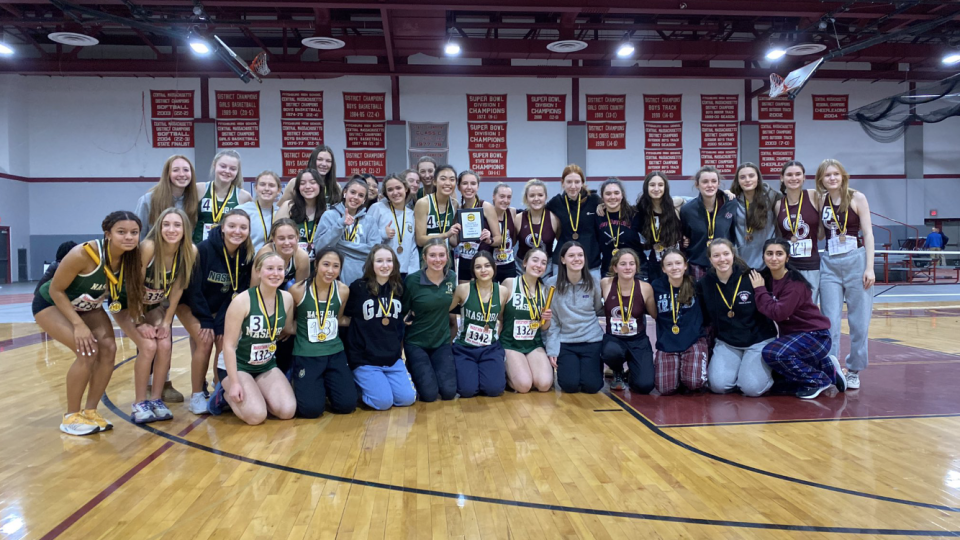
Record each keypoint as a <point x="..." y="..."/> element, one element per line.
<point x="792" y="273"/>
<point x="687" y="288"/>
<point x="129" y="262"/>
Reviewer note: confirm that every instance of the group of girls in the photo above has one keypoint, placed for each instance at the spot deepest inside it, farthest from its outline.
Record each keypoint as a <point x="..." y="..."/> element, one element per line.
<point x="310" y="294"/>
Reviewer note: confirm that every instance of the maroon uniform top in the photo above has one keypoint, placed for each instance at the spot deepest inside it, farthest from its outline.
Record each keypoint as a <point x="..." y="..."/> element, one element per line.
<point x="834" y="224"/>
<point x="804" y="252"/>
<point x="611" y="309"/>
<point x="790" y="306"/>
<point x="525" y="237"/>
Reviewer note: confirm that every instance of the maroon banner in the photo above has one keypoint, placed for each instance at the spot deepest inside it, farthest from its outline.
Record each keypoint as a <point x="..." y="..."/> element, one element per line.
<point x="725" y="160"/>
<point x="667" y="161"/>
<point x="294" y="161"/>
<point x="486" y="107"/>
<point x="238" y="134"/>
<point x="606" y="136"/>
<point x="487" y="136"/>
<point x="173" y="133"/>
<point x="301" y="133"/>
<point x="301" y="105"/>
<point x="778" y="135"/>
<point x="661" y="107"/>
<point x="771" y="161"/>
<point x="365" y="161"/>
<point x="546" y="108"/>
<point x="171" y="104"/>
<point x="668" y="135"/>
<point x="606" y="108"/>
<point x="364" y="106"/>
<point x="779" y="108"/>
<point x="238" y="105"/>
<point x="366" y="134"/>
<point x="489" y="164"/>
<point x="830" y="107"/>
<point x="719" y="107"/>
<point x="719" y="134"/>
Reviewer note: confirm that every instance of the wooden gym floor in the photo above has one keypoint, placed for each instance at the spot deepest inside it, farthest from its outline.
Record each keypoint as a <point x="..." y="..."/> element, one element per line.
<point x="875" y="463"/>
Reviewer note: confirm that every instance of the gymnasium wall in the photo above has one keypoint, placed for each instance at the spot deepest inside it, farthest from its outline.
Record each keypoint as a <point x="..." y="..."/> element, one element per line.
<point x="82" y="146"/>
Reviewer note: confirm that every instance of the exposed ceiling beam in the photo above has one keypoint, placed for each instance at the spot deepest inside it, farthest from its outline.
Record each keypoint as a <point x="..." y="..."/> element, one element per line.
<point x="387" y="37"/>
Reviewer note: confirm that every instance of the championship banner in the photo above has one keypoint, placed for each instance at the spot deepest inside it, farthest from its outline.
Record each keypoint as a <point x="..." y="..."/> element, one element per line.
<point x="171" y="104"/>
<point x="719" y="134"/>
<point x="366" y="134"/>
<point x="830" y="107"/>
<point x="487" y="136"/>
<point x="546" y="108"/>
<point x="780" y="108"/>
<point x="294" y="161"/>
<point x="365" y="161"/>
<point x="301" y="133"/>
<point x="429" y="134"/>
<point x="440" y="156"/>
<point x="305" y="105"/>
<point x="370" y="106"/>
<point x="725" y="160"/>
<point x="663" y="135"/>
<point x="489" y="164"/>
<point x="606" y="108"/>
<point x="238" y="133"/>
<point x="667" y="161"/>
<point x="771" y="161"/>
<point x="719" y="107"/>
<point x="238" y="105"/>
<point x="661" y="107"/>
<point x="606" y="136"/>
<point x="778" y="135"/>
<point x="486" y="107"/>
<point x="173" y="133"/>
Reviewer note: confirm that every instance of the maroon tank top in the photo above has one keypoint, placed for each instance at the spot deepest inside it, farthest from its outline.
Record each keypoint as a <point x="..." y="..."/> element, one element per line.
<point x="526" y="236"/>
<point x="804" y="254"/>
<point x="834" y="224"/>
<point x="611" y="309"/>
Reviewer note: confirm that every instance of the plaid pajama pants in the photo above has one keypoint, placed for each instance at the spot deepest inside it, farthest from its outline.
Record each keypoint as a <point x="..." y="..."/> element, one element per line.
<point x="803" y="359"/>
<point x="688" y="367"/>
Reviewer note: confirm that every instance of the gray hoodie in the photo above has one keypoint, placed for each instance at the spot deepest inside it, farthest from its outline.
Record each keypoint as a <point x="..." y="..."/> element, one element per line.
<point x="332" y="234"/>
<point x="574" y="316"/>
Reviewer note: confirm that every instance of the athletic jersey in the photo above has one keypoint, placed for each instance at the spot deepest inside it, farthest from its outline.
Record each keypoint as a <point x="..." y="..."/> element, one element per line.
<point x="290" y="277"/>
<point x="804" y="251"/>
<point x="87" y="291"/>
<point x="308" y="233"/>
<point x="479" y="327"/>
<point x="521" y="331"/>
<point x="314" y="338"/>
<point x="437" y="222"/>
<point x="635" y="325"/>
<point x="530" y="235"/>
<point x="503" y="252"/>
<point x="206" y="219"/>
<point x="835" y="225"/>
<point x="468" y="250"/>
<point x="256" y="349"/>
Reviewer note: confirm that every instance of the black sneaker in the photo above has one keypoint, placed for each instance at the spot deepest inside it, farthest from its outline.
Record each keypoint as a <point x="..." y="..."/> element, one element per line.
<point x="810" y="393"/>
<point x="618" y="383"/>
<point x="839" y="379"/>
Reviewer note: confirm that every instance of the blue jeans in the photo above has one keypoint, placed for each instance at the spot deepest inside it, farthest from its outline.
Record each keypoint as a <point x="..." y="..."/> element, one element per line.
<point x="385" y="387"/>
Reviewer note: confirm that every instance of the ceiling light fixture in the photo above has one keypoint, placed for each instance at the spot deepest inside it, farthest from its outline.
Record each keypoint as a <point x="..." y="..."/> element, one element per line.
<point x="452" y="48"/>
<point x="5" y="49"/>
<point x="776" y="53"/>
<point x="199" y="46"/>
<point x="951" y="58"/>
<point x="626" y="48"/>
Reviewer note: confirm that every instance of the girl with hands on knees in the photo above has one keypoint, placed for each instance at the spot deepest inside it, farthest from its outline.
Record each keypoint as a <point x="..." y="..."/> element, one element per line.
<point x="625" y="341"/>
<point x="525" y="319"/>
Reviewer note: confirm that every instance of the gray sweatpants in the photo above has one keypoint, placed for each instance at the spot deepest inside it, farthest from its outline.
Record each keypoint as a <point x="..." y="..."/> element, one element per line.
<point x="841" y="280"/>
<point x="739" y="367"/>
<point x="813" y="276"/>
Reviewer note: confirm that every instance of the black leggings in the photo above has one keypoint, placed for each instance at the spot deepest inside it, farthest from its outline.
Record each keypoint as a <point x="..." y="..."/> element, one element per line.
<point x="638" y="355"/>
<point x="315" y="377"/>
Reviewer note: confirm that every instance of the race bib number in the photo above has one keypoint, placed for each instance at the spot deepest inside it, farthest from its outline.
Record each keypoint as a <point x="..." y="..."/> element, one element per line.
<point x="85" y="302"/>
<point x="619" y="327"/>
<point x="503" y="256"/>
<point x="328" y="332"/>
<point x="837" y="247"/>
<point x="260" y="353"/>
<point x="152" y="297"/>
<point x="478" y="336"/>
<point x="207" y="227"/>
<point x="801" y="248"/>
<point x="522" y="331"/>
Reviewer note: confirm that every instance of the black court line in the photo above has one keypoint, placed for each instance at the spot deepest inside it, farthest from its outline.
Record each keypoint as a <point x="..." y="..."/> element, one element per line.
<point x="811" y="420"/>
<point x="690" y="448"/>
<point x="577" y="510"/>
<point x="608" y="410"/>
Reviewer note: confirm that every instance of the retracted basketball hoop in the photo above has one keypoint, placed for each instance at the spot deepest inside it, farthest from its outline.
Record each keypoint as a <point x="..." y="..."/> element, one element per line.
<point x="256" y="69"/>
<point x="794" y="81"/>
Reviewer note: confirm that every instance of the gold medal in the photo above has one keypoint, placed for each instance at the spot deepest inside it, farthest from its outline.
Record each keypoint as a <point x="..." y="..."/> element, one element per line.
<point x="399" y="250"/>
<point x="272" y="348"/>
<point x="321" y="337"/>
<point x="793" y="238"/>
<point x="614" y="253"/>
<point x="534" y="325"/>
<point x="843" y="239"/>
<point x="486" y="327"/>
<point x="749" y="237"/>
<point x="234" y="295"/>
<point x="658" y="248"/>
<point x="115" y="307"/>
<point x="675" y="329"/>
<point x="385" y="321"/>
<point x="730" y="314"/>
<point x="576" y="236"/>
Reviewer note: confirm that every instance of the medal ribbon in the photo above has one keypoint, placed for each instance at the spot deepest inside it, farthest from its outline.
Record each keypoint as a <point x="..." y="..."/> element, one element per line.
<point x="655" y="230"/>
<point x="444" y="223"/>
<point x="795" y="226"/>
<point x="173" y="275"/>
<point x="629" y="311"/>
<point x="115" y="283"/>
<point x="266" y="231"/>
<point x="400" y="228"/>
<point x="276" y="314"/>
<point x="386" y="310"/>
<point x="352" y="235"/>
<point x="616" y="238"/>
<point x="534" y="305"/>
<point x="322" y="318"/>
<point x="536" y="237"/>
<point x="846" y="214"/>
<point x="712" y="222"/>
<point x="235" y="273"/>
<point x="486" y="314"/>
<point x="733" y="299"/>
<point x="673" y="305"/>
<point x="218" y="212"/>
<point x="569" y="215"/>
<point x="746" y="214"/>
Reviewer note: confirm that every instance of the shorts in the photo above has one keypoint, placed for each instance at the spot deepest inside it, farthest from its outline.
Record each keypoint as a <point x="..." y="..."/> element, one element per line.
<point x="39" y="304"/>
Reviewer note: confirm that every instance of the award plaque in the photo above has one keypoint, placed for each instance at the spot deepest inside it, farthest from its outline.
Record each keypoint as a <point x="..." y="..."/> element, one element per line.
<point x="471" y="224"/>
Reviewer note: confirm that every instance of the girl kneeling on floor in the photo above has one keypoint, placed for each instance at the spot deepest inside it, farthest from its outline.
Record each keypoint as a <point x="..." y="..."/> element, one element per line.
<point x="681" y="355"/>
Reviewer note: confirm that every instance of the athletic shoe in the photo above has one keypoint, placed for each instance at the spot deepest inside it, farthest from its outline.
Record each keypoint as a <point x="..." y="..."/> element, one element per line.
<point x="142" y="413"/>
<point x="101" y="422"/>
<point x="170" y="394"/>
<point x="810" y="393"/>
<point x="78" y="424"/>
<point x="160" y="410"/>
<point x="206" y="389"/>
<point x="617" y="383"/>
<point x="838" y="379"/>
<point x="217" y="401"/>
<point x="853" y="380"/>
<point x="198" y="404"/>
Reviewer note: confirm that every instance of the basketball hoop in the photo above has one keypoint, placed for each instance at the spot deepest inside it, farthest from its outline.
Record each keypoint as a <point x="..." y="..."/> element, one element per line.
<point x="777" y="87"/>
<point x="259" y="64"/>
<point x="256" y="68"/>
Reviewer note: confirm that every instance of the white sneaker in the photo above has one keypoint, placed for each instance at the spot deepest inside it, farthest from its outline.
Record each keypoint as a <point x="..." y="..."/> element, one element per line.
<point x="160" y="410"/>
<point x="78" y="424"/>
<point x="198" y="404"/>
<point x="142" y="413"/>
<point x="853" y="380"/>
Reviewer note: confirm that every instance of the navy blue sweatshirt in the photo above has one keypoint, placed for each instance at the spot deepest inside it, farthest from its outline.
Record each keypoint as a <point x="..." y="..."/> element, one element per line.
<point x="210" y="291"/>
<point x="747" y="326"/>
<point x="693" y="224"/>
<point x="689" y="319"/>
<point x="586" y="228"/>
<point x="369" y="341"/>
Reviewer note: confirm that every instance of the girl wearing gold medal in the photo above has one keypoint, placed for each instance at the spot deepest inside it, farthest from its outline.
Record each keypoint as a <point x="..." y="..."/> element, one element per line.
<point x="395" y="221"/>
<point x="263" y="210"/>
<point x="167" y="256"/>
<point x="221" y="195"/>
<point x="67" y="308"/>
<point x="707" y="217"/>
<point x="504" y="242"/>
<point x="657" y="221"/>
<point x="681" y="355"/>
<point x="348" y="228"/>
<point x="625" y="341"/>
<point x="468" y="182"/>
<point x="320" y="367"/>
<point x="615" y="224"/>
<point x="250" y="381"/>
<point x="477" y="353"/>
<point x="322" y="161"/>
<point x="222" y="272"/>
<point x="525" y="319"/>
<point x="756" y="218"/>
<point x="729" y="306"/>
<point x="577" y="209"/>
<point x="798" y="220"/>
<point x="374" y="337"/>
<point x="305" y="208"/>
<point x="536" y="226"/>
